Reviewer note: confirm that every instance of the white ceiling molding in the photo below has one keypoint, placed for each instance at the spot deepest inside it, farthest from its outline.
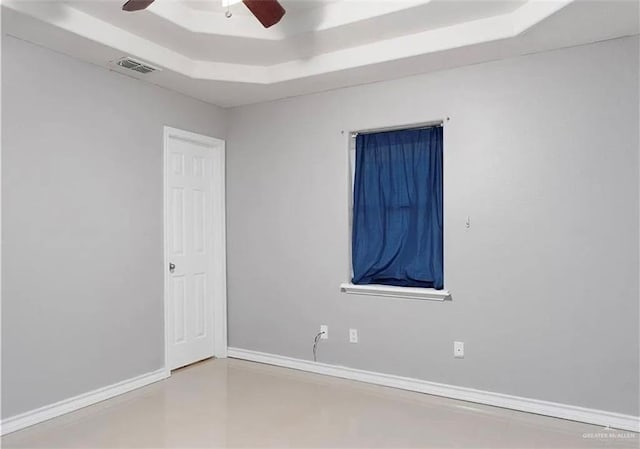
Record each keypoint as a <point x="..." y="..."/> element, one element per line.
<point x="534" y="12"/>
<point x="82" y="24"/>
<point x="208" y="22"/>
<point x="333" y="15"/>
<point x="319" y="45"/>
<point x="464" y="34"/>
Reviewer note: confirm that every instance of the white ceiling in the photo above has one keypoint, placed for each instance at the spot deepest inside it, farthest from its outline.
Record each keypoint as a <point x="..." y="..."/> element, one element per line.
<point x="318" y="45"/>
<point x="291" y="6"/>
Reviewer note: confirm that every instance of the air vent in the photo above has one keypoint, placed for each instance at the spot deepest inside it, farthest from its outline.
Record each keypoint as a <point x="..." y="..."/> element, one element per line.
<point x="134" y="64"/>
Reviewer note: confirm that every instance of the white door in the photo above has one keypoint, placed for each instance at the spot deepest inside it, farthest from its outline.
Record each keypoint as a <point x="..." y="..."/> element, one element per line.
<point x="194" y="230"/>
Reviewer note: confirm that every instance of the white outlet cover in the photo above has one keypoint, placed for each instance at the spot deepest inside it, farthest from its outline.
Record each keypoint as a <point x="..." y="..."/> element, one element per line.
<point x="458" y="349"/>
<point x="353" y="335"/>
<point x="325" y="329"/>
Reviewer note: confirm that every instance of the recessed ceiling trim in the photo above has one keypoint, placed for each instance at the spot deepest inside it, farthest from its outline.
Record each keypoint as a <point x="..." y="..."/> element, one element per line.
<point x="210" y="22"/>
<point x="334" y="15"/>
<point x="534" y="12"/>
<point x="87" y="26"/>
<point x="431" y="41"/>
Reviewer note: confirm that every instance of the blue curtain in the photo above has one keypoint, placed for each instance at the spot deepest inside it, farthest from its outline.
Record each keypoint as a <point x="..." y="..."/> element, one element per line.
<point x="397" y="209"/>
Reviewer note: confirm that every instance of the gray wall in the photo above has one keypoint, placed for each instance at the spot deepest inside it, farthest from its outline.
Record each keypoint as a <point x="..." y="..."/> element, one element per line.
<point x="542" y="154"/>
<point x="82" y="301"/>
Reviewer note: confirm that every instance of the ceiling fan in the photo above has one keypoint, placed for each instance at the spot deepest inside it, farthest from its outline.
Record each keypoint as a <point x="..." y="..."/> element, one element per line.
<point x="268" y="12"/>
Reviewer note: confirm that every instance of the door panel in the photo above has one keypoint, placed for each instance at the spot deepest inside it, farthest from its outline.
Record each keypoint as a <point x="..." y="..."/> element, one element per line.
<point x="191" y="231"/>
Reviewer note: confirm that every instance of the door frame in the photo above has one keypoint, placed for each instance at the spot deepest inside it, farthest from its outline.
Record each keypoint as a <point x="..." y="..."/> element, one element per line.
<point x="219" y="279"/>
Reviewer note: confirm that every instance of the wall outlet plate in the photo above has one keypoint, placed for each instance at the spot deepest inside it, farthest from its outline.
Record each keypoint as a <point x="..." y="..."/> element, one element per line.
<point x="353" y="335"/>
<point x="458" y="349"/>
<point x="324" y="328"/>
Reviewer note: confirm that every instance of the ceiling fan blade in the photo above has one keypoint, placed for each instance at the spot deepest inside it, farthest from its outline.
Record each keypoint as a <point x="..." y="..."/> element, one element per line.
<point x="136" y="5"/>
<point x="268" y="12"/>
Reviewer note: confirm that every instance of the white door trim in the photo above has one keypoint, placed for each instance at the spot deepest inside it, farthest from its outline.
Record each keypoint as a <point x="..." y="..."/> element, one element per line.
<point x="219" y="290"/>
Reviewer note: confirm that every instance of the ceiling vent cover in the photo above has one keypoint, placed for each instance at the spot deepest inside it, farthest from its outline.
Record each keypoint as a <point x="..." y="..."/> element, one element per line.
<point x="134" y="64"/>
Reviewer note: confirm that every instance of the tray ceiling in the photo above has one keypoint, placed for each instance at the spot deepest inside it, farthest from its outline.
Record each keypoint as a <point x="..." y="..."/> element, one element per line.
<point x="318" y="45"/>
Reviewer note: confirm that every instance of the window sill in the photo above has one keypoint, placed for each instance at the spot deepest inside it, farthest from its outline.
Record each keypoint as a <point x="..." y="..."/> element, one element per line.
<point x="396" y="292"/>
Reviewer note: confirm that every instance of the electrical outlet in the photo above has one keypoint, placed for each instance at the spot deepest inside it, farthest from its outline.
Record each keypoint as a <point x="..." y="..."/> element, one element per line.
<point x="325" y="330"/>
<point x="353" y="335"/>
<point x="458" y="349"/>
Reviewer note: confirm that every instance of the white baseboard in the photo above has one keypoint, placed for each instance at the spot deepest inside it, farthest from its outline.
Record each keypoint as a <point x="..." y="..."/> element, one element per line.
<point x="38" y="415"/>
<point x="554" y="409"/>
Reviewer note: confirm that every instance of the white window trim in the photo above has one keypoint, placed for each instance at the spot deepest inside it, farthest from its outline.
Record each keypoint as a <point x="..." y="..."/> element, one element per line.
<point x="391" y="291"/>
<point x="388" y="291"/>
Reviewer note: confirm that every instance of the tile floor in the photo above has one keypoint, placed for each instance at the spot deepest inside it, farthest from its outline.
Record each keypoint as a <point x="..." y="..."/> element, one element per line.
<point x="233" y="403"/>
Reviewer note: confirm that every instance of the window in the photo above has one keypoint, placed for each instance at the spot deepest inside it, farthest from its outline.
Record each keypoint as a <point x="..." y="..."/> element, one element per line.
<point x="397" y="219"/>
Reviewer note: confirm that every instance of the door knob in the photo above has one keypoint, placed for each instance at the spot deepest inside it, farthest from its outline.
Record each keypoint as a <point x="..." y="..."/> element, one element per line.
<point x="172" y="267"/>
